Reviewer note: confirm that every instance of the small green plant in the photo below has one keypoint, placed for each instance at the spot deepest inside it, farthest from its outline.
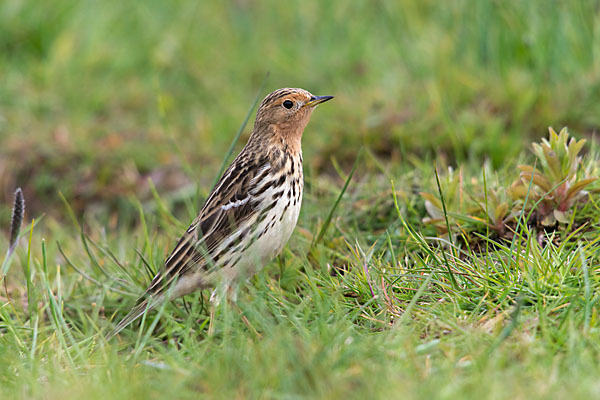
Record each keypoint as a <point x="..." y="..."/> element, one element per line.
<point x="550" y="192"/>
<point x="557" y="186"/>
<point x="451" y="185"/>
<point x="498" y="210"/>
<point x="469" y="212"/>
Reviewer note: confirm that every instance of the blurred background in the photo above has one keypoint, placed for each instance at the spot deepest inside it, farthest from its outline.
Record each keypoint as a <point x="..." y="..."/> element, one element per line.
<point x="96" y="97"/>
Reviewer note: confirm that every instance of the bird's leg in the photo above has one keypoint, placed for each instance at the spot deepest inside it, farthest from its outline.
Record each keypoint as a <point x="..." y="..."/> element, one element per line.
<point x="211" y="320"/>
<point x="215" y="299"/>
<point x="228" y="290"/>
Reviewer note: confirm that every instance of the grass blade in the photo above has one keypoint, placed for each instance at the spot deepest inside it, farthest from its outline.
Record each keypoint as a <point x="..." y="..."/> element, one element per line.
<point x="450" y="274"/>
<point x="327" y="222"/>
<point x="239" y="132"/>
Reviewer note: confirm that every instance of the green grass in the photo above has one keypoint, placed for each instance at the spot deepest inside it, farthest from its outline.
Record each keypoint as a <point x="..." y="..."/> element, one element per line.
<point x="116" y="116"/>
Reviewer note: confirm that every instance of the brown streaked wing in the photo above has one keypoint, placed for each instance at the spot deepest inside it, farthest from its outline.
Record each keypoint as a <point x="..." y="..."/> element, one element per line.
<point x="214" y="224"/>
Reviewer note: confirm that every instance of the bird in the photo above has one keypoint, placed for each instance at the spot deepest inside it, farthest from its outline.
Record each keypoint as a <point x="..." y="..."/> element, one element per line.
<point x="249" y="215"/>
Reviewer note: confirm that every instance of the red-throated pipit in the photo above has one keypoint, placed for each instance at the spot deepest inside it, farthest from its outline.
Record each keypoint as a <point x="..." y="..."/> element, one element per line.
<point x="250" y="213"/>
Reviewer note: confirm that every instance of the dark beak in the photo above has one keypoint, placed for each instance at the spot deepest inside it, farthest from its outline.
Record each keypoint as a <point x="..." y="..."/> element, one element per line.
<point x="316" y="100"/>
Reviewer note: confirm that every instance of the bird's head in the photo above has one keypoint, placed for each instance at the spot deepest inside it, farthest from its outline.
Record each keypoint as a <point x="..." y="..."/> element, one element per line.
<point x="284" y="113"/>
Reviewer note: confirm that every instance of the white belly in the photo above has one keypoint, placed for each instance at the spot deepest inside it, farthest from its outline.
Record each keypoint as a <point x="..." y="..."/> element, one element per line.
<point x="276" y="235"/>
<point x="269" y="236"/>
<point x="277" y="231"/>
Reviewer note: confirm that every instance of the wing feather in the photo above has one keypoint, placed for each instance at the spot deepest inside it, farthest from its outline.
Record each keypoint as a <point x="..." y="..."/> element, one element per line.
<point x="229" y="205"/>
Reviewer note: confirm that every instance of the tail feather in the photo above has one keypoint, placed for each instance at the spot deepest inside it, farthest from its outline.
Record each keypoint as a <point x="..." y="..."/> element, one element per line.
<point x="137" y="311"/>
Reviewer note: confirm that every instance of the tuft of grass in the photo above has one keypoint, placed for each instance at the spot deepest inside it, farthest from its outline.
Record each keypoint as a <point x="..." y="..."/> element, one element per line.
<point x="551" y="198"/>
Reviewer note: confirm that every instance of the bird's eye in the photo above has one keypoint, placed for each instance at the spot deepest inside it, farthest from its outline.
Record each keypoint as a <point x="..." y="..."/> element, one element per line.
<point x="288" y="104"/>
